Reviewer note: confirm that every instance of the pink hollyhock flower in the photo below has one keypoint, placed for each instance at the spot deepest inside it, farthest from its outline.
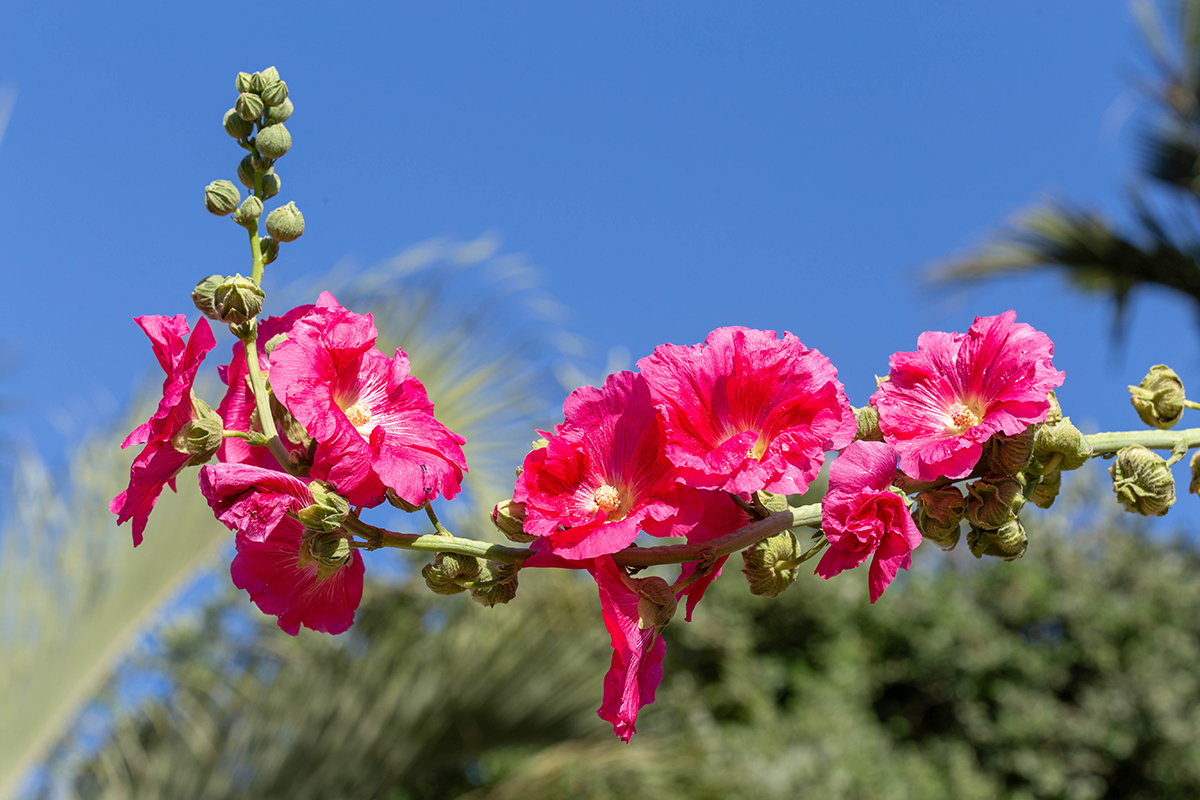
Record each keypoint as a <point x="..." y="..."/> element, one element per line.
<point x="746" y="411"/>
<point x="634" y="622"/>
<point x="159" y="462"/>
<point x="941" y="403"/>
<point x="237" y="407"/>
<point x="604" y="475"/>
<point x="271" y="563"/>
<point x="372" y="421"/>
<point x="721" y="516"/>
<point x="862" y="517"/>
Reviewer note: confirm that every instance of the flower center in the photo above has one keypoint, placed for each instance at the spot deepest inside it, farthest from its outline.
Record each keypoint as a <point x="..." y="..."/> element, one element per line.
<point x="358" y="415"/>
<point x="758" y="449"/>
<point x="607" y="498"/>
<point x="963" y="417"/>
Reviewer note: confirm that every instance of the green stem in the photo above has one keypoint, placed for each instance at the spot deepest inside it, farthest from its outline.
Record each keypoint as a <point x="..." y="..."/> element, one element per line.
<point x="1103" y="443"/>
<point x="805" y="556"/>
<point x="258" y="387"/>
<point x="255" y="247"/>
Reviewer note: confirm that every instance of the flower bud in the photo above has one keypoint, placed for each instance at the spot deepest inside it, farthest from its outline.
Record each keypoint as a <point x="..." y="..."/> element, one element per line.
<point x="237" y="300"/>
<point x="1045" y="490"/>
<point x="245" y="172"/>
<point x="497" y="584"/>
<point x="269" y="75"/>
<point x="270" y="184"/>
<point x="1158" y="399"/>
<point x="202" y="296"/>
<point x="402" y="504"/>
<point x="868" y="424"/>
<point x="249" y="106"/>
<point x="938" y="514"/>
<point x="1055" y="413"/>
<point x="1142" y="481"/>
<point x="993" y="501"/>
<point x="1194" y="484"/>
<point x="235" y="126"/>
<point x="269" y="249"/>
<point x="767" y="565"/>
<point x="1008" y="455"/>
<point x="1059" y="447"/>
<point x="279" y="113"/>
<point x="509" y="518"/>
<point x="274" y="94"/>
<point x="286" y="223"/>
<point x="250" y="208"/>
<point x="656" y="603"/>
<point x="201" y="436"/>
<point x="257" y="82"/>
<point x="449" y="571"/>
<point x="242" y="84"/>
<point x="1007" y="542"/>
<point x="331" y="551"/>
<point x="221" y="198"/>
<point x="328" y="511"/>
<point x="273" y="141"/>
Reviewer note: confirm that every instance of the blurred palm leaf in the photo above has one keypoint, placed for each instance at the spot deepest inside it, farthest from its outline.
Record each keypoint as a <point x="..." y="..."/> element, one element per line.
<point x="73" y="592"/>
<point x="1161" y="243"/>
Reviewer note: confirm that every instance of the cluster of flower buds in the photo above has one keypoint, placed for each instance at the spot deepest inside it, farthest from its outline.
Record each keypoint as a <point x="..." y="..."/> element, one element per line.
<point x="706" y="442"/>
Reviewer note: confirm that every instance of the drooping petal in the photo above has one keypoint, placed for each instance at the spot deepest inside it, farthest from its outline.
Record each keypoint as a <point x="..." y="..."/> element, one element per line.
<point x="252" y="500"/>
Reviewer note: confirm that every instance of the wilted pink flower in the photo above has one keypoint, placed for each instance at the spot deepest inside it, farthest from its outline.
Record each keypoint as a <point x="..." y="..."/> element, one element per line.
<point x="604" y="475"/>
<point x="372" y="421"/>
<point x="746" y="411"/>
<point x="862" y="517"/>
<point x="237" y="407"/>
<point x="941" y="403"/>
<point x="271" y="564"/>
<point x="159" y="462"/>
<point x="638" y="647"/>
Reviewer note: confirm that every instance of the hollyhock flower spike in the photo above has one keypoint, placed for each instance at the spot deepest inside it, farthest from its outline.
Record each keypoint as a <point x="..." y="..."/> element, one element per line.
<point x="940" y="404"/>
<point x="275" y="562"/>
<point x="863" y="518"/>
<point x="748" y="411"/>
<point x="372" y="421"/>
<point x="179" y="352"/>
<point x="604" y="475"/>
<point x="635" y="612"/>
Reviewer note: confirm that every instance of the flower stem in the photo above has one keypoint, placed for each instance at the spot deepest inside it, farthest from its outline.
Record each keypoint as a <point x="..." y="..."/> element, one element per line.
<point x="1104" y="443"/>
<point x="258" y="386"/>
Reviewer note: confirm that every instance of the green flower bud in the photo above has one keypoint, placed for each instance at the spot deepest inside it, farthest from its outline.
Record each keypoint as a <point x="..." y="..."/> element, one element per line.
<point x="509" y="518"/>
<point x="249" y="106"/>
<point x="269" y="249"/>
<point x="201" y="436"/>
<point x="1194" y="484"/>
<point x="221" y="198"/>
<point x="269" y="75"/>
<point x="273" y="141"/>
<point x="250" y="208"/>
<point x="235" y="126"/>
<point x="202" y="296"/>
<point x="242" y="84"/>
<point x="938" y="514"/>
<point x="1055" y="413"/>
<point x="271" y="184"/>
<point x="1008" y="455"/>
<point x="868" y="424"/>
<point x="286" y="223"/>
<point x="245" y="172"/>
<point x="1142" y="481"/>
<point x="656" y="603"/>
<point x="1059" y="447"/>
<point x="449" y="571"/>
<point x="496" y="584"/>
<point x="237" y="300"/>
<point x="257" y="82"/>
<point x="331" y="552"/>
<point x="768" y="564"/>
<point x="1045" y="490"/>
<point x="1158" y="399"/>
<point x="1007" y="542"/>
<point x="773" y="502"/>
<point x="993" y="501"/>
<point x="328" y="511"/>
<point x="279" y="113"/>
<point x="275" y="93"/>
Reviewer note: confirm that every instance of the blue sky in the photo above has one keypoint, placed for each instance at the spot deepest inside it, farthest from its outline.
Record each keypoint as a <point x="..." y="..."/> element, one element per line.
<point x="671" y="168"/>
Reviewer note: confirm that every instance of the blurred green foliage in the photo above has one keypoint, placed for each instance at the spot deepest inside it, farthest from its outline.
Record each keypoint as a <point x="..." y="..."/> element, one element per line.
<point x="1068" y="674"/>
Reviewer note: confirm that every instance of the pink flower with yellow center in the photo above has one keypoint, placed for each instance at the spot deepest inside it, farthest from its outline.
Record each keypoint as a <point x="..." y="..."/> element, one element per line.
<point x="604" y="475"/>
<point x="748" y="411"/>
<point x="372" y="421"/>
<point x="863" y="518"/>
<point x="180" y="355"/>
<point x="940" y="404"/>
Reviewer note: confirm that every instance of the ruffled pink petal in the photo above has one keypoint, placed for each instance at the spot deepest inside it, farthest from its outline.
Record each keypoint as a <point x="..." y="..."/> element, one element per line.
<point x="155" y="467"/>
<point x="721" y="516"/>
<point x="252" y="500"/>
<point x="893" y="555"/>
<point x="863" y="465"/>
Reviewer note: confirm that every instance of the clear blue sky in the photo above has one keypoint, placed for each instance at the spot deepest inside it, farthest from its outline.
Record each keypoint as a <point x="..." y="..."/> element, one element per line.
<point x="672" y="167"/>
